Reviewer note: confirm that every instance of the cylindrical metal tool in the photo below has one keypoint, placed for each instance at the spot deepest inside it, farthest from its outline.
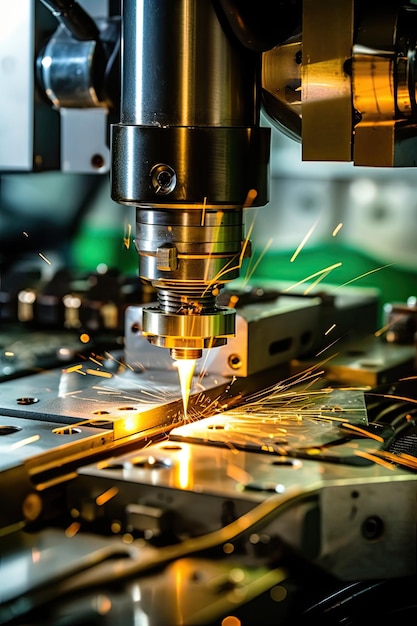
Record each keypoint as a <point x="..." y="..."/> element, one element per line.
<point x="188" y="153"/>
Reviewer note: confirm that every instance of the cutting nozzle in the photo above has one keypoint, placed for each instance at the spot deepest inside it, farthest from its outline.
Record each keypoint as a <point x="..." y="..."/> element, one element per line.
<point x="186" y="323"/>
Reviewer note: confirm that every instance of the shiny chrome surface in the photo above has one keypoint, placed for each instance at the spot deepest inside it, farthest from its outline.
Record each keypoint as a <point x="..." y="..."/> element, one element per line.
<point x="67" y="70"/>
<point x="179" y="331"/>
<point x="200" y="246"/>
<point x="180" y="68"/>
<point x="281" y="85"/>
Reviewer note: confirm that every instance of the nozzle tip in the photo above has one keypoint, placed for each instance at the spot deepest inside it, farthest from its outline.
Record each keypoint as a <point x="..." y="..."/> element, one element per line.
<point x="180" y="354"/>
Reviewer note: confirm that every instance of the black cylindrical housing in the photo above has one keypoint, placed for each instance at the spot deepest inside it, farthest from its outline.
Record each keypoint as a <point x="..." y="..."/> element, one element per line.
<point x="218" y="166"/>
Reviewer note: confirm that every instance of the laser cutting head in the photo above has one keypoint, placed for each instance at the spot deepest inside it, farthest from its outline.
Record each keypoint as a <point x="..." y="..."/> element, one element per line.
<point x="189" y="154"/>
<point x="189" y="254"/>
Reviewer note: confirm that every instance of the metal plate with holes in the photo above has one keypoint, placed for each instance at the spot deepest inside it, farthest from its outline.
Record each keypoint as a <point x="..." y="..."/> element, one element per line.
<point x="182" y="488"/>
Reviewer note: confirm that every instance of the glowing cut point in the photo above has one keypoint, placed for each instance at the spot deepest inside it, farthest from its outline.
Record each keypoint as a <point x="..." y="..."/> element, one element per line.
<point x="185" y="372"/>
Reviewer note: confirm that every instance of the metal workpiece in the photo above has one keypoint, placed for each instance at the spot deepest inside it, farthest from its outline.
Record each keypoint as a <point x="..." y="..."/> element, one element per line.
<point x="216" y="470"/>
<point x="268" y="334"/>
<point x="187" y="591"/>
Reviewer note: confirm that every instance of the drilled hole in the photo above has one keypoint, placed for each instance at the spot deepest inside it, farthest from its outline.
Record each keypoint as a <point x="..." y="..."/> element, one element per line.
<point x="67" y="431"/>
<point x="149" y="462"/>
<point x="97" y="161"/>
<point x="26" y="401"/>
<point x="9" y="430"/>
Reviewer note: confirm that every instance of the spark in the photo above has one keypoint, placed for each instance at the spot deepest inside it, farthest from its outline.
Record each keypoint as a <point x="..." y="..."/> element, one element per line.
<point x="363" y="432"/>
<point x="315" y="283"/>
<point x="395" y="397"/>
<point x="99" y="373"/>
<point x="185" y="372"/>
<point x="374" y="458"/>
<point x="259" y="259"/>
<point x="73" y="368"/>
<point x="203" y="212"/>
<point x="337" y="229"/>
<point x="303" y="242"/>
<point x="329" y="330"/>
<point x="43" y="257"/>
<point x="122" y="364"/>
<point x="95" y="361"/>
<point x="382" y="330"/>
<point x="85" y="399"/>
<point x="24" y="442"/>
<point x="376" y="269"/>
<point x="330" y="345"/>
<point x="250" y="198"/>
<point x="204" y="369"/>
<point x="126" y="236"/>
<point x="25" y="234"/>
<point x="72" y="529"/>
<point x="400" y="459"/>
<point x="304" y="280"/>
<point x="71" y="393"/>
<point x="219" y="217"/>
<point x="229" y="267"/>
<point x="157" y="396"/>
<point x="107" y="495"/>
